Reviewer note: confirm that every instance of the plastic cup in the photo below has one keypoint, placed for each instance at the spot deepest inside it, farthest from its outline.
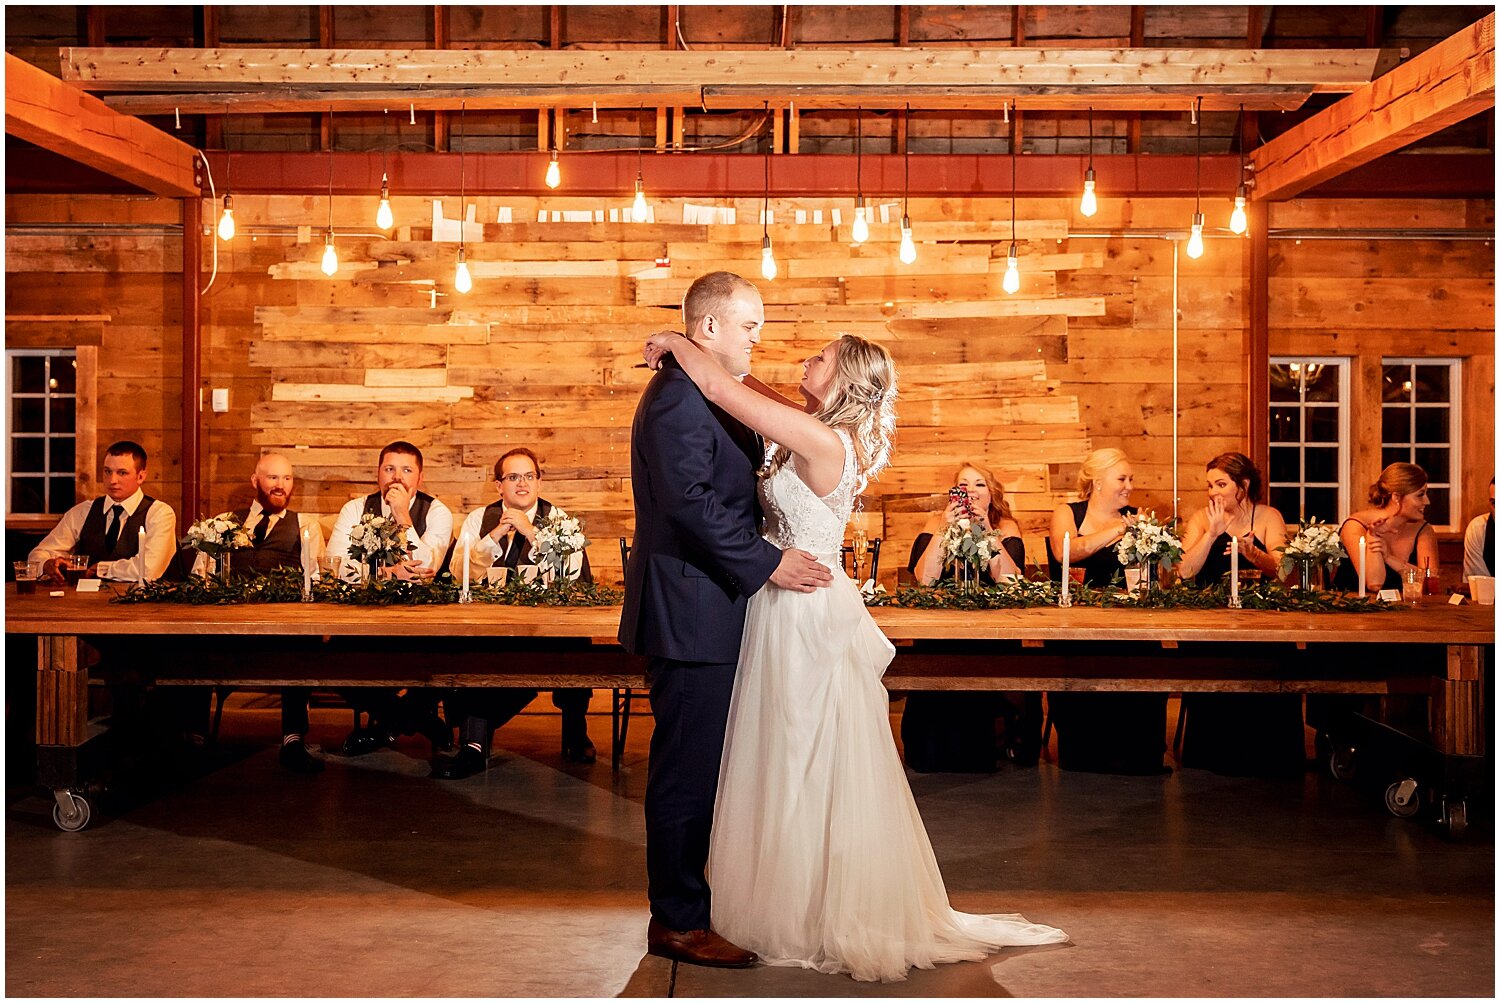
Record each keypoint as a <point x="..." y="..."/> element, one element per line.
<point x="496" y="576"/>
<point x="1482" y="589"/>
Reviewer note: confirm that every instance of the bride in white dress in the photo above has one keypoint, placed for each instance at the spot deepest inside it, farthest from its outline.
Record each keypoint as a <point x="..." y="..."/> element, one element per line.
<point x="818" y="857"/>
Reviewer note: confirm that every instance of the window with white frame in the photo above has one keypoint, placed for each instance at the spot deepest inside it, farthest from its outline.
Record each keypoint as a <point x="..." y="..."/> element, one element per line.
<point x="1419" y="424"/>
<point x="41" y="386"/>
<point x="1309" y="422"/>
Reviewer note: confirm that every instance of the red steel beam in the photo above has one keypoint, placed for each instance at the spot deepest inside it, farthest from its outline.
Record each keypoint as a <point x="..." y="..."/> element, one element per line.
<point x="727" y="175"/>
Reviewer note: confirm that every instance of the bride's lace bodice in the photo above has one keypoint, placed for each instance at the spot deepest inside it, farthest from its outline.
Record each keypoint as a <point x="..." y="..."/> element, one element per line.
<point x="795" y="517"/>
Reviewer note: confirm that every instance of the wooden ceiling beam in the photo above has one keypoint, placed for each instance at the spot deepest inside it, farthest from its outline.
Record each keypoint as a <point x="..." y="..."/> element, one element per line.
<point x="41" y="109"/>
<point x="1446" y="84"/>
<point x="569" y="72"/>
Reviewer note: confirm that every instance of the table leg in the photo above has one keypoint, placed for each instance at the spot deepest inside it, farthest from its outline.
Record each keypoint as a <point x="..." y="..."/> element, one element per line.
<point x="1457" y="708"/>
<point x="62" y="692"/>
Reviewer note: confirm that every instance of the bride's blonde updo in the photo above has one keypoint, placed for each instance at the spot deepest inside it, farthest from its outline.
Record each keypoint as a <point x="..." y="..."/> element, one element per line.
<point x="862" y="401"/>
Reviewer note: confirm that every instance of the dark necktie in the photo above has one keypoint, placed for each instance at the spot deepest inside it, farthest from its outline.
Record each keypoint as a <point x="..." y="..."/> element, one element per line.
<point x="112" y="534"/>
<point x="259" y="536"/>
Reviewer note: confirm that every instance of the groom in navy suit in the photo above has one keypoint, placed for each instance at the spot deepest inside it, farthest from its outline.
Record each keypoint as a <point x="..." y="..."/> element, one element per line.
<point x="697" y="557"/>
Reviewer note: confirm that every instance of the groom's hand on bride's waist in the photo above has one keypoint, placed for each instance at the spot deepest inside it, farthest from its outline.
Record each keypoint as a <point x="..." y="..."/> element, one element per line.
<point x="800" y="571"/>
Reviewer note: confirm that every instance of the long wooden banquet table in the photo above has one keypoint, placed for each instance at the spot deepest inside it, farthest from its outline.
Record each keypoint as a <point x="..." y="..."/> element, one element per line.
<point x="1433" y="649"/>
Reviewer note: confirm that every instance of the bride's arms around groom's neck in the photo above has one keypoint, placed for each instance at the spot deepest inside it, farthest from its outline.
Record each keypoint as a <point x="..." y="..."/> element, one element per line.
<point x="817" y="447"/>
<point x="767" y="392"/>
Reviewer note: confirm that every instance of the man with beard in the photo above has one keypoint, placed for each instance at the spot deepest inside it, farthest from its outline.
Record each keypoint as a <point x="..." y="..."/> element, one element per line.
<point x="277" y="537"/>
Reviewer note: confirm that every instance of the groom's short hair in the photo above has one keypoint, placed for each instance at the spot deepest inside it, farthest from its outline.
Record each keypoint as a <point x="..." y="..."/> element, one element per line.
<point x="710" y="294"/>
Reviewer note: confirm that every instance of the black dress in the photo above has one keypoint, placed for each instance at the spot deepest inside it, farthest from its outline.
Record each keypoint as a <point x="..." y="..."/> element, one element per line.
<point x="1241" y="734"/>
<point x="1106" y="732"/>
<point x="955" y="732"/>
<point x="1347" y="576"/>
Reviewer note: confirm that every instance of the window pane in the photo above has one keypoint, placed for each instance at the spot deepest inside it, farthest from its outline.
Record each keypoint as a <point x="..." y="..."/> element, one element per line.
<point x="1284" y="386"/>
<point x="28" y="414"/>
<point x="1286" y="465"/>
<point x="1284" y="424"/>
<point x="1395" y="423"/>
<point x="1435" y="462"/>
<point x="1432" y="424"/>
<point x="64" y="414"/>
<point x="1322" y="382"/>
<point x="1322" y="424"/>
<point x="1432" y="384"/>
<point x="64" y="375"/>
<point x="1437" y="505"/>
<point x="30" y="374"/>
<point x="60" y="492"/>
<point x="27" y="455"/>
<point x="1322" y="503"/>
<point x="1395" y="383"/>
<point x="1321" y="465"/>
<point x="1394" y="454"/>
<point x="26" y="494"/>
<point x="62" y="454"/>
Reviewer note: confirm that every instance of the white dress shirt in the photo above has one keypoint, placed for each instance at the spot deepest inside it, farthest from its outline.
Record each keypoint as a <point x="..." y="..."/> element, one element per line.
<point x="1474" y="548"/>
<point x="429" y="548"/>
<point x="161" y="538"/>
<point x="483" y="551"/>
<point x="307" y="526"/>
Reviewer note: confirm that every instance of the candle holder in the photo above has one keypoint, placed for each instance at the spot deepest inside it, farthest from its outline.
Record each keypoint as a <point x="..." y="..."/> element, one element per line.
<point x="1234" y="600"/>
<point x="307" y="595"/>
<point x="1065" y="597"/>
<point x="464" y="596"/>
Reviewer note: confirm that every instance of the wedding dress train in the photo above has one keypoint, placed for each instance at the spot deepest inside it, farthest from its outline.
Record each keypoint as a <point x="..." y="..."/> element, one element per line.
<point x="819" y="858"/>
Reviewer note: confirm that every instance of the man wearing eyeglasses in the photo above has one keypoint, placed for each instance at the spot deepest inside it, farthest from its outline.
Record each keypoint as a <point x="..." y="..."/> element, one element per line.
<point x="501" y="535"/>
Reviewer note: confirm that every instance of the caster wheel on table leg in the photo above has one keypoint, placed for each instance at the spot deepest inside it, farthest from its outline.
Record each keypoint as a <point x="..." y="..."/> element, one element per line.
<point x="1454" y="819"/>
<point x="72" y="811"/>
<point x="1402" y="799"/>
<point x="1341" y="763"/>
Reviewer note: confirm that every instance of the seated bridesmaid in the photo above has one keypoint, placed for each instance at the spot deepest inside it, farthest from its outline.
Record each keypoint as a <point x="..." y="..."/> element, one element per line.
<point x="955" y="732"/>
<point x="1397" y="535"/>
<point x="1097" y="521"/>
<point x="987" y="499"/>
<point x="1103" y="732"/>
<point x="1233" y="510"/>
<point x="1239" y="734"/>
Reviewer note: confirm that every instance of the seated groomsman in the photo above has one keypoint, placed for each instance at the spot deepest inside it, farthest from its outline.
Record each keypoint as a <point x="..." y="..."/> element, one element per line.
<point x="107" y="529"/>
<point x="501" y="536"/>
<point x="277" y="535"/>
<point x="429" y="528"/>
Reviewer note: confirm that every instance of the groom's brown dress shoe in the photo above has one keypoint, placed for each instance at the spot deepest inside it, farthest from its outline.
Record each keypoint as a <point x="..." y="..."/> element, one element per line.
<point x="696" y="947"/>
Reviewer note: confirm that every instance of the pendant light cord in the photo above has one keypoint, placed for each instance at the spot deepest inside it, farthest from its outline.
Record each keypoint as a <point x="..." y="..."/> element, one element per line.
<point x="1198" y="160"/>
<point x="462" y="211"/>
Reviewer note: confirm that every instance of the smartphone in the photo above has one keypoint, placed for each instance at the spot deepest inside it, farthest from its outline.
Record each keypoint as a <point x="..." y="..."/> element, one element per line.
<point x="961" y="497"/>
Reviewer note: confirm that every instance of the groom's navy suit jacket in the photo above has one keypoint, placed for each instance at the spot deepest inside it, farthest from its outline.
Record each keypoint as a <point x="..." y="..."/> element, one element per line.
<point x="698" y="554"/>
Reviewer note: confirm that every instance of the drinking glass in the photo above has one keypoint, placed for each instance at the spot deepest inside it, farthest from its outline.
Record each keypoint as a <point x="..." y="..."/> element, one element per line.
<point x="1411" y="586"/>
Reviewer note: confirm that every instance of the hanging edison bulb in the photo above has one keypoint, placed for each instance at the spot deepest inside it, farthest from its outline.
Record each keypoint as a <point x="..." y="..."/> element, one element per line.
<point x="639" y="211"/>
<point x="1195" y="240"/>
<point x="330" y="256"/>
<point x="461" y="279"/>
<point x="226" y="220"/>
<point x="908" y="253"/>
<point x="1237" y="219"/>
<point x="384" y="218"/>
<point x="554" y="172"/>
<point x="861" y="232"/>
<point x="767" y="259"/>
<point x="1089" y="204"/>
<point x="1012" y="280"/>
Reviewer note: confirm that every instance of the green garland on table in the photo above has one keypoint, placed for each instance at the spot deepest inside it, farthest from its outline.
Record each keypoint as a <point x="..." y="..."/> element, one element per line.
<point x="284" y="585"/>
<point x="1018" y="593"/>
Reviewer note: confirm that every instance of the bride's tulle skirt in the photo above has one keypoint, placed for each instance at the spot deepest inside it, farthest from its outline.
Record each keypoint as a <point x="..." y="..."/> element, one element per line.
<point x="819" y="858"/>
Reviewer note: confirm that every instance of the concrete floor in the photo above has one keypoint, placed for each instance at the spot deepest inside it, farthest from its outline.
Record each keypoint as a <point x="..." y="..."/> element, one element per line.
<point x="372" y="880"/>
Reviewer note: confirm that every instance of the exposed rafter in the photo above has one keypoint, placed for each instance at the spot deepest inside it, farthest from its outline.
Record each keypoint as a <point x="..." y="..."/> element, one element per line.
<point x="43" y="110"/>
<point x="269" y="80"/>
<point x="1444" y="85"/>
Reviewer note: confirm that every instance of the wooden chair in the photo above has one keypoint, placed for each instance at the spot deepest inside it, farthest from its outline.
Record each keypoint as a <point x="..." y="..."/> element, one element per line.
<point x="623" y="698"/>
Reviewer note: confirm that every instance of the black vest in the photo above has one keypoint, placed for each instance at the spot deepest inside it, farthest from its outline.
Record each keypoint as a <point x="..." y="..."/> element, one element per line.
<point x="419" y="507"/>
<point x="1489" y="543"/>
<point x="520" y="547"/>
<point x="282" y="547"/>
<point x="91" y="537"/>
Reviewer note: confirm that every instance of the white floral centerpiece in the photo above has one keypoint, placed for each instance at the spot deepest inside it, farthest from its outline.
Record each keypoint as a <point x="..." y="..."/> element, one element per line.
<point x="1150" y="543"/>
<point x="1314" y="543"/>
<point x="378" y="541"/>
<point x="216" y="536"/>
<point x="969" y="548"/>
<point x="558" y="538"/>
